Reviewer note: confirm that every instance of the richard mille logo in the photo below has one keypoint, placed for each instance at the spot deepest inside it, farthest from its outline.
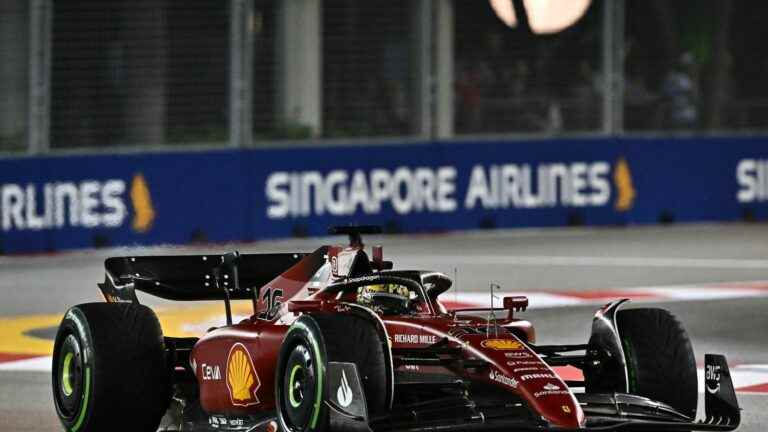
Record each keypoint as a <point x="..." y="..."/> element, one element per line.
<point x="344" y="392"/>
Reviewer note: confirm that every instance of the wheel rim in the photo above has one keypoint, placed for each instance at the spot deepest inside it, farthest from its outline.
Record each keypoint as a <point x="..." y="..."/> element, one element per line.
<point x="296" y="385"/>
<point x="299" y="387"/>
<point x="69" y="377"/>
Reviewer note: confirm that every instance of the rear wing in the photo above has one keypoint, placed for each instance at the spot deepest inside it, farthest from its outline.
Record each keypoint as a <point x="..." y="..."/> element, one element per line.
<point x="192" y="277"/>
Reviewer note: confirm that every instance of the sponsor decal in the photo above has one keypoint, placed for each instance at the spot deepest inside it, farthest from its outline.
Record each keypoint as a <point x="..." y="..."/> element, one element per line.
<point x="519" y="355"/>
<point x="550" y="389"/>
<point x="143" y="210"/>
<point x="712" y="378"/>
<point x="502" y="344"/>
<point x="752" y="179"/>
<point x="341" y="192"/>
<point x="528" y="368"/>
<point x="415" y="339"/>
<point x="111" y="298"/>
<point x="216" y="421"/>
<point x="625" y="190"/>
<point x="342" y="308"/>
<point x="576" y="184"/>
<point x="210" y="373"/>
<point x="524" y="363"/>
<point x="344" y="392"/>
<point x="334" y="264"/>
<point x="503" y="379"/>
<point x="88" y="203"/>
<point x="527" y="377"/>
<point x="406" y="190"/>
<point x="242" y="380"/>
<point x="566" y="409"/>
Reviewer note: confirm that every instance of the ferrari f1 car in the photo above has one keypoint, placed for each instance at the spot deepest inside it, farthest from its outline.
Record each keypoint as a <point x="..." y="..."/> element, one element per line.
<point x="339" y="341"/>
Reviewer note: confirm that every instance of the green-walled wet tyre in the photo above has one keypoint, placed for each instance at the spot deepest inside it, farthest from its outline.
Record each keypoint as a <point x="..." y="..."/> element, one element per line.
<point x="110" y="369"/>
<point x="660" y="361"/>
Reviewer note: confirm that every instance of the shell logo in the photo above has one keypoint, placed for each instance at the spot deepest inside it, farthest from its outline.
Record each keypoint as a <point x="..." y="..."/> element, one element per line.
<point x="242" y="380"/>
<point x="502" y="344"/>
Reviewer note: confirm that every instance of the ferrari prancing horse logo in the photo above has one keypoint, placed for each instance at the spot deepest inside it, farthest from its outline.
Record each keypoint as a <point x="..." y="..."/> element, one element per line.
<point x="242" y="380"/>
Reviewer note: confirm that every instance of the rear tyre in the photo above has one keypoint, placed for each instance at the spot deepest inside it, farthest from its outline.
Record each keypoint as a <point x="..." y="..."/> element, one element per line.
<point x="660" y="360"/>
<point x="109" y="368"/>
<point x="312" y="342"/>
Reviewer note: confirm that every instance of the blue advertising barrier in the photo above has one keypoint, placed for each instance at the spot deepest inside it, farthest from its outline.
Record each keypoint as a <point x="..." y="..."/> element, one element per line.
<point x="65" y="202"/>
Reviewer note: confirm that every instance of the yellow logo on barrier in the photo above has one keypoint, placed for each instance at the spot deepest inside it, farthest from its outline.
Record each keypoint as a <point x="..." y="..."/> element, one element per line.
<point x="144" y="212"/>
<point x="625" y="190"/>
<point x="242" y="380"/>
<point x="502" y="344"/>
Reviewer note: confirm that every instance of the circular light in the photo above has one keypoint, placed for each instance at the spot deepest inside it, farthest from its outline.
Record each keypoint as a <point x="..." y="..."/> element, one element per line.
<point x="544" y="16"/>
<point x="505" y="12"/>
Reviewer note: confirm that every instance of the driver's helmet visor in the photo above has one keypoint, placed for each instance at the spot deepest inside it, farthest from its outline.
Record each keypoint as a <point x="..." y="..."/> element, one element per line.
<point x="388" y="298"/>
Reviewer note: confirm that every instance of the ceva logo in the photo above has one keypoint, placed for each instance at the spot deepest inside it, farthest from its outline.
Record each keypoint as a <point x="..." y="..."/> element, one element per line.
<point x="86" y="204"/>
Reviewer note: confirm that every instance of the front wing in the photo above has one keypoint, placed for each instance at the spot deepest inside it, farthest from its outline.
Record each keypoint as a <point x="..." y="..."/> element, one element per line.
<point x="603" y="412"/>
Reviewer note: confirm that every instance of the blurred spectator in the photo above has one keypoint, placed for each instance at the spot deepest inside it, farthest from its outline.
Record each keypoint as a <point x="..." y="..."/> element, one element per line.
<point x="681" y="93"/>
<point x="641" y="104"/>
<point x="527" y="107"/>
<point x="468" y="98"/>
<point x="585" y="98"/>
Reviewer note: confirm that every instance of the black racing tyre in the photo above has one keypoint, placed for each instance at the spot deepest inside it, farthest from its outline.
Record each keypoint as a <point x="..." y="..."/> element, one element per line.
<point x="660" y="360"/>
<point x="109" y="369"/>
<point x="312" y="342"/>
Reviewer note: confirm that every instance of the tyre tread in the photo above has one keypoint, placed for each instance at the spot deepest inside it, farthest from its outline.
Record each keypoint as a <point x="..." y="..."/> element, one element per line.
<point x="662" y="357"/>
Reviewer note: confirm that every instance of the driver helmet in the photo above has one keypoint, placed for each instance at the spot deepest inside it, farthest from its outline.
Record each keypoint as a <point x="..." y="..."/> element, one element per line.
<point x="384" y="298"/>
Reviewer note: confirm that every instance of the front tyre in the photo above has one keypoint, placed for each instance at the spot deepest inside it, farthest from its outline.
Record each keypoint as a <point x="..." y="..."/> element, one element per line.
<point x="109" y="368"/>
<point x="313" y="341"/>
<point x="660" y="360"/>
<point x="299" y="378"/>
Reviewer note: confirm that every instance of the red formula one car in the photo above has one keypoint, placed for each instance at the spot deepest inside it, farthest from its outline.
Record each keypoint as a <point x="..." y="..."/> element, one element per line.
<point x="340" y="341"/>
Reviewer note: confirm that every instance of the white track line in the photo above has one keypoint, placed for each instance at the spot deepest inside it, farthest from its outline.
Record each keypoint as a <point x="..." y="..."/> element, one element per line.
<point x="37" y="364"/>
<point x="593" y="261"/>
<point x="541" y="300"/>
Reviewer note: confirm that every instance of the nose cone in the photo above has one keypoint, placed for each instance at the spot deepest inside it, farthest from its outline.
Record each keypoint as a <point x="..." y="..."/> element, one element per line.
<point x="555" y="403"/>
<point x="518" y="368"/>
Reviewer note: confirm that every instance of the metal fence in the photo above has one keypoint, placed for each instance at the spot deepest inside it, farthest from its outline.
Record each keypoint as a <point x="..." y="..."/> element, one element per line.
<point x="106" y="74"/>
<point x="14" y="74"/>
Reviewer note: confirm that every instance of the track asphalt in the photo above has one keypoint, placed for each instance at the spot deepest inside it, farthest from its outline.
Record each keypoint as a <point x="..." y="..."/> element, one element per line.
<point x="713" y="277"/>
